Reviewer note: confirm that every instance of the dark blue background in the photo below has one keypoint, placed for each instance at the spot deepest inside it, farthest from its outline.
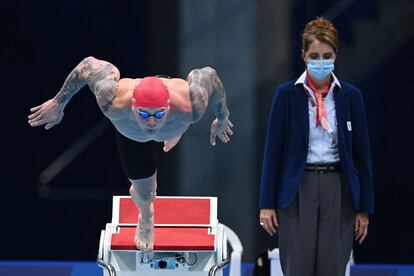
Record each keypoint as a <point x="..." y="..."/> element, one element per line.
<point x="43" y="41"/>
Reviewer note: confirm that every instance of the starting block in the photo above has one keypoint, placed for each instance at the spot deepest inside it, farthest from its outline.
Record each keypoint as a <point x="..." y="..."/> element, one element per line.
<point x="188" y="240"/>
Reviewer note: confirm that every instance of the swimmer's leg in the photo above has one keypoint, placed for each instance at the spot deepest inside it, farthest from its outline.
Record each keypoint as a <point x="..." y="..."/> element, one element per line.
<point x="143" y="192"/>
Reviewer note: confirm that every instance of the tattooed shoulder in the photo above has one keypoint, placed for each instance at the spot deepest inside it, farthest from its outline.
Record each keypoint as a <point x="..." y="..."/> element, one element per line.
<point x="199" y="88"/>
<point x="206" y="86"/>
<point x="102" y="78"/>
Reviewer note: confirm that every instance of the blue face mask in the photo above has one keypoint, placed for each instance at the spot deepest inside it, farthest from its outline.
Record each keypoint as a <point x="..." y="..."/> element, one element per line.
<point x="320" y="69"/>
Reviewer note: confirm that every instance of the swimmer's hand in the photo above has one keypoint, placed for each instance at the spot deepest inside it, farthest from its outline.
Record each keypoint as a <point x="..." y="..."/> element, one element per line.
<point x="220" y="129"/>
<point x="49" y="114"/>
<point x="171" y="143"/>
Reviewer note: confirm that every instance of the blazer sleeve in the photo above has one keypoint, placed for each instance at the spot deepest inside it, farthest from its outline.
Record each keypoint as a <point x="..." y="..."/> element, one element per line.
<point x="362" y="153"/>
<point x="273" y="150"/>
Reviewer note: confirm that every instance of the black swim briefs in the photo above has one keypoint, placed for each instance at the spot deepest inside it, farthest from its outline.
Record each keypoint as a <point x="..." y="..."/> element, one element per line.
<point x="138" y="159"/>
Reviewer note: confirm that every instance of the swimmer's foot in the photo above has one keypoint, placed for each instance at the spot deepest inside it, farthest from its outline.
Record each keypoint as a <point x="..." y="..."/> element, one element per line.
<point x="144" y="235"/>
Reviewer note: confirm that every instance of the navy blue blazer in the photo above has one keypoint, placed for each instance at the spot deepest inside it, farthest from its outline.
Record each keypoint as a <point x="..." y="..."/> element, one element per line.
<point x="287" y="141"/>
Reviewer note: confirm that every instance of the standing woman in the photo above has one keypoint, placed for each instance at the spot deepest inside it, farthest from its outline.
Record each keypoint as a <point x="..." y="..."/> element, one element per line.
<point x="316" y="186"/>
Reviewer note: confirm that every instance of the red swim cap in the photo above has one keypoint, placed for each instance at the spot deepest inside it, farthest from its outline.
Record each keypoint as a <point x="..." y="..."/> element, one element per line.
<point x="151" y="92"/>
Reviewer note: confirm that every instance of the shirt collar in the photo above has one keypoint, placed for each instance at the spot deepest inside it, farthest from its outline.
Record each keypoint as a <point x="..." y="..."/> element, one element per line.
<point x="302" y="79"/>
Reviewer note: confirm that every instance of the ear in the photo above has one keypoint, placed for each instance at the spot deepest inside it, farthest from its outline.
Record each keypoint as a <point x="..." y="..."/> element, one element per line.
<point x="168" y="107"/>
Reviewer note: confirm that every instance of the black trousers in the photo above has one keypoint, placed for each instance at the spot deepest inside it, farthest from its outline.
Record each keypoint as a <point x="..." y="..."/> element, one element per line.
<point x="316" y="230"/>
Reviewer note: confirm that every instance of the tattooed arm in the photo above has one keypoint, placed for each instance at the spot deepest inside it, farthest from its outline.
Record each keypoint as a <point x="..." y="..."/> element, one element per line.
<point x="101" y="77"/>
<point x="205" y="87"/>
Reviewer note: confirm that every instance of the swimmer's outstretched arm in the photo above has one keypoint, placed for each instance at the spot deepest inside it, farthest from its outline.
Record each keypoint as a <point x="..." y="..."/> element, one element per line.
<point x="102" y="78"/>
<point x="205" y="87"/>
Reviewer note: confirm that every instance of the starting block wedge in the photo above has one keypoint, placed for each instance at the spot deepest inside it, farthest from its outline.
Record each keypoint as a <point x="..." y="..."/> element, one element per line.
<point x="188" y="240"/>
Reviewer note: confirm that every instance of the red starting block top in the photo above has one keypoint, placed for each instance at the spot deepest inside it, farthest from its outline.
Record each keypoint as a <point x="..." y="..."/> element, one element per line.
<point x="181" y="223"/>
<point x="167" y="239"/>
<point x="186" y="211"/>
